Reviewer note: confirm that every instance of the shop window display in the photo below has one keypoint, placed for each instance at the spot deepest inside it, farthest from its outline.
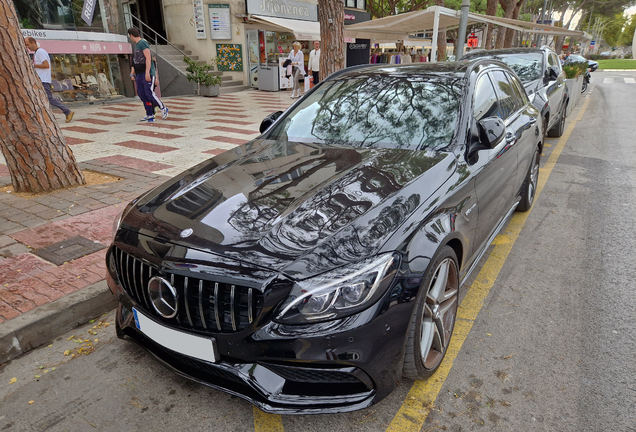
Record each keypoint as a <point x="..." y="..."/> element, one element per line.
<point x="77" y="77"/>
<point x="56" y="15"/>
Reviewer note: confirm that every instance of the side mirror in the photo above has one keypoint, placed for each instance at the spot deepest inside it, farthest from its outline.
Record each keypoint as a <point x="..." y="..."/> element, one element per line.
<point x="269" y="120"/>
<point x="491" y="131"/>
<point x="553" y="73"/>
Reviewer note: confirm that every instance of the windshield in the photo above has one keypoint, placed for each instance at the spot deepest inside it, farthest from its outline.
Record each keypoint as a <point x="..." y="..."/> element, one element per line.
<point x="526" y="66"/>
<point x="377" y="111"/>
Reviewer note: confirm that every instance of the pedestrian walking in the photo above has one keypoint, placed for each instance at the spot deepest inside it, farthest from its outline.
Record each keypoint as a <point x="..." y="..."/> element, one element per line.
<point x="144" y="75"/>
<point x="298" y="68"/>
<point x="42" y="64"/>
<point x="314" y="62"/>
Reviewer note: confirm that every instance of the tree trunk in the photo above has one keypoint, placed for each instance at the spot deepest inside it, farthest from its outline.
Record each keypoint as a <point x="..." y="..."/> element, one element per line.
<point x="38" y="158"/>
<point x="491" y="9"/>
<point x="441" y="38"/>
<point x="509" y="8"/>
<point x="332" y="56"/>
<point x="511" y="32"/>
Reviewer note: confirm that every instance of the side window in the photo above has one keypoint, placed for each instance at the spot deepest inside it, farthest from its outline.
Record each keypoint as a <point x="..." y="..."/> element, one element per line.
<point x="505" y="93"/>
<point x="521" y="97"/>
<point x="556" y="61"/>
<point x="485" y="103"/>
<point x="551" y="60"/>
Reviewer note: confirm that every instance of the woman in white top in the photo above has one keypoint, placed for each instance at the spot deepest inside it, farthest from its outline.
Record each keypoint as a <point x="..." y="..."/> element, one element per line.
<point x="298" y="68"/>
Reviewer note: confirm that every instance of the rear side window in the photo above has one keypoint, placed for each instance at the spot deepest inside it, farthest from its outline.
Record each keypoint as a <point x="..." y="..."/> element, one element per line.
<point x="508" y="99"/>
<point x="485" y="103"/>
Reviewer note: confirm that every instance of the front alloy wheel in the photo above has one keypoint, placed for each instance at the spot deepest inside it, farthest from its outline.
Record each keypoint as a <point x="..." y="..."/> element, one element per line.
<point x="529" y="186"/>
<point x="434" y="319"/>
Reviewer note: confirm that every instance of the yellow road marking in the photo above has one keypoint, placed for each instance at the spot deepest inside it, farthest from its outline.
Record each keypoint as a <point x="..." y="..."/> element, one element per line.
<point x="422" y="395"/>
<point x="264" y="422"/>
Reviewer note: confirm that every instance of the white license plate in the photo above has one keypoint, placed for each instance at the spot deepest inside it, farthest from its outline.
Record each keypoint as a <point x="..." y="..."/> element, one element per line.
<point x="194" y="346"/>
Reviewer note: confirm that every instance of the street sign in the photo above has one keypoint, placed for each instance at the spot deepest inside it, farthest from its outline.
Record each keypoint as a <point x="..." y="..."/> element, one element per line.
<point x="592" y="43"/>
<point x="472" y="42"/>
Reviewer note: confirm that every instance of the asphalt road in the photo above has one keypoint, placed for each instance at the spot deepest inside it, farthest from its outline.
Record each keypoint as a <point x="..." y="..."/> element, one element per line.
<point x="551" y="349"/>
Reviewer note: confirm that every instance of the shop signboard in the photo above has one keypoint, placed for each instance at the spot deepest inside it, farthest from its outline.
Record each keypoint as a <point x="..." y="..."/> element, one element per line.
<point x="220" y="28"/>
<point x="88" y="10"/>
<point x="283" y="9"/>
<point x="358" y="52"/>
<point x="353" y="16"/>
<point x="199" y="19"/>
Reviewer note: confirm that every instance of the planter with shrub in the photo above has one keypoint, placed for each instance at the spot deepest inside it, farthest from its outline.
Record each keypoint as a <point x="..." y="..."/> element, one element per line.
<point x="574" y="73"/>
<point x="207" y="82"/>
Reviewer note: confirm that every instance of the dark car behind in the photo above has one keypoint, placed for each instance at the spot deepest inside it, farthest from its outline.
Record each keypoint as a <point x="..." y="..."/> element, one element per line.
<point x="540" y="71"/>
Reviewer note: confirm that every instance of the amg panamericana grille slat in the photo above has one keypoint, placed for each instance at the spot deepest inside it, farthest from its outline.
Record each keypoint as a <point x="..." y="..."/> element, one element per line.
<point x="204" y="305"/>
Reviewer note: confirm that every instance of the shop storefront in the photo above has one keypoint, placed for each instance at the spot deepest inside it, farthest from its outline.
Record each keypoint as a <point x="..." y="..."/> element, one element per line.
<point x="87" y="62"/>
<point x="271" y="29"/>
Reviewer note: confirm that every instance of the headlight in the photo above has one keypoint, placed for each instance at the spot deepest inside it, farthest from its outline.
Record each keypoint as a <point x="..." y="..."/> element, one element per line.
<point x="119" y="218"/>
<point x="338" y="293"/>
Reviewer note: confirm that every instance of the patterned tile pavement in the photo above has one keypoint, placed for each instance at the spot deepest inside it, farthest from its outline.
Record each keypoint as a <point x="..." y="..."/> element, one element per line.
<point x="118" y="145"/>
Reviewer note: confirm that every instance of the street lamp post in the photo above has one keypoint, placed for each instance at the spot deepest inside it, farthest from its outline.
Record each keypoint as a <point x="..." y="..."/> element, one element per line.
<point x="463" y="23"/>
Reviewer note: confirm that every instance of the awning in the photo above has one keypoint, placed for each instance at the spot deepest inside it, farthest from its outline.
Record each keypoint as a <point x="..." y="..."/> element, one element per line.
<point x="302" y="30"/>
<point x="441" y="18"/>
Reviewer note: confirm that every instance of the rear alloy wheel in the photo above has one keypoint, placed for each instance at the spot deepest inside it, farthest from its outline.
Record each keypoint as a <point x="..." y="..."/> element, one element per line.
<point x="558" y="129"/>
<point x="434" y="318"/>
<point x="529" y="186"/>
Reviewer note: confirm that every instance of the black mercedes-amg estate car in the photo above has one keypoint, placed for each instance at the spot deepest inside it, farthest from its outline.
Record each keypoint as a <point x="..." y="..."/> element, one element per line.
<point x="310" y="269"/>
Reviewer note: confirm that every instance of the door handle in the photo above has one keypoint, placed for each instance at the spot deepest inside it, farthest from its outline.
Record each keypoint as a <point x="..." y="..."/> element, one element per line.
<point x="510" y="139"/>
<point x="532" y="121"/>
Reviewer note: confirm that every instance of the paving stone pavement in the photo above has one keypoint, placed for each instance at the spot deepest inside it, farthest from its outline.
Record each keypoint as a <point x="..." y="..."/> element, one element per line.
<point x="111" y="140"/>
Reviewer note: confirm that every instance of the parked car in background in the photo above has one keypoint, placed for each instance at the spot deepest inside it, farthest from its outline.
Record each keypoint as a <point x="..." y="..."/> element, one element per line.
<point x="540" y="71"/>
<point x="308" y="270"/>
<point x="593" y="65"/>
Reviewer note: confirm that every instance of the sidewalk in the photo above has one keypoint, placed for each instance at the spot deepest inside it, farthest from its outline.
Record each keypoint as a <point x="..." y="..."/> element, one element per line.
<point x="52" y="247"/>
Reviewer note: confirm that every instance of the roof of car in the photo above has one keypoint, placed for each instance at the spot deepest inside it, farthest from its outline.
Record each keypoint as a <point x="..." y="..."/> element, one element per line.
<point x="503" y="51"/>
<point x="456" y="69"/>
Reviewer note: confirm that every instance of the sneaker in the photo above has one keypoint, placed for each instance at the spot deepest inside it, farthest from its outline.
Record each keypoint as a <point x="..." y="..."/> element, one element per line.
<point x="69" y="117"/>
<point x="164" y="112"/>
<point x="148" y="119"/>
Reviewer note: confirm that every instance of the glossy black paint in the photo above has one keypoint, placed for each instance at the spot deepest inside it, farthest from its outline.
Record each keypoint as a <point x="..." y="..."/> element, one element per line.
<point x="268" y="213"/>
<point x="548" y="94"/>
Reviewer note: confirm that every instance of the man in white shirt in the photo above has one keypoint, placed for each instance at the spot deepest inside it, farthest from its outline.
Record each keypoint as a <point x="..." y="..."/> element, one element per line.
<point x="314" y="62"/>
<point x="42" y="64"/>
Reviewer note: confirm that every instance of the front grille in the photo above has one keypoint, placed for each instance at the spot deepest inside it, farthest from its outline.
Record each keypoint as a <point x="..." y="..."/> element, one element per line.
<point x="203" y="305"/>
<point x="312" y="375"/>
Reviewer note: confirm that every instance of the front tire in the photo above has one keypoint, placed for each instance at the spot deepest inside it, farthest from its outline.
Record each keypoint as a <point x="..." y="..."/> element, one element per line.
<point x="558" y="129"/>
<point x="434" y="317"/>
<point x="529" y="186"/>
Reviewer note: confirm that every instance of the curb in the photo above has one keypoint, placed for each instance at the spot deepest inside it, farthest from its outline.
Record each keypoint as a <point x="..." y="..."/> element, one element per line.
<point x="44" y="323"/>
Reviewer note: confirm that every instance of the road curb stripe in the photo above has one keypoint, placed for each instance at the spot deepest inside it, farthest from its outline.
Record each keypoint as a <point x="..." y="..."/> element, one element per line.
<point x="422" y="395"/>
<point x="264" y="422"/>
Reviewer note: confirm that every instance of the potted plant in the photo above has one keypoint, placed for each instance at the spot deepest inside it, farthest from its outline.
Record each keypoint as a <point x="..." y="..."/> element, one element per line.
<point x="207" y="82"/>
<point x="574" y="72"/>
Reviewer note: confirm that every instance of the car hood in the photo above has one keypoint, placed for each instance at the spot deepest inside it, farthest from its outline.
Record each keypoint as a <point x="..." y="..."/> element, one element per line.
<point x="291" y="207"/>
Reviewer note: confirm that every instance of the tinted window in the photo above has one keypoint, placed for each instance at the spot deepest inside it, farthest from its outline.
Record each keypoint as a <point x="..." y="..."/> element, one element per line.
<point x="505" y="93"/>
<point x="526" y="66"/>
<point x="520" y="94"/>
<point x="383" y="110"/>
<point x="555" y="61"/>
<point x="485" y="103"/>
<point x="551" y="60"/>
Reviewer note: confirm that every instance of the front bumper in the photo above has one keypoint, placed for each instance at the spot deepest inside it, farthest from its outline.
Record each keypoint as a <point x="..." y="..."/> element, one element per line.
<point x="339" y="366"/>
